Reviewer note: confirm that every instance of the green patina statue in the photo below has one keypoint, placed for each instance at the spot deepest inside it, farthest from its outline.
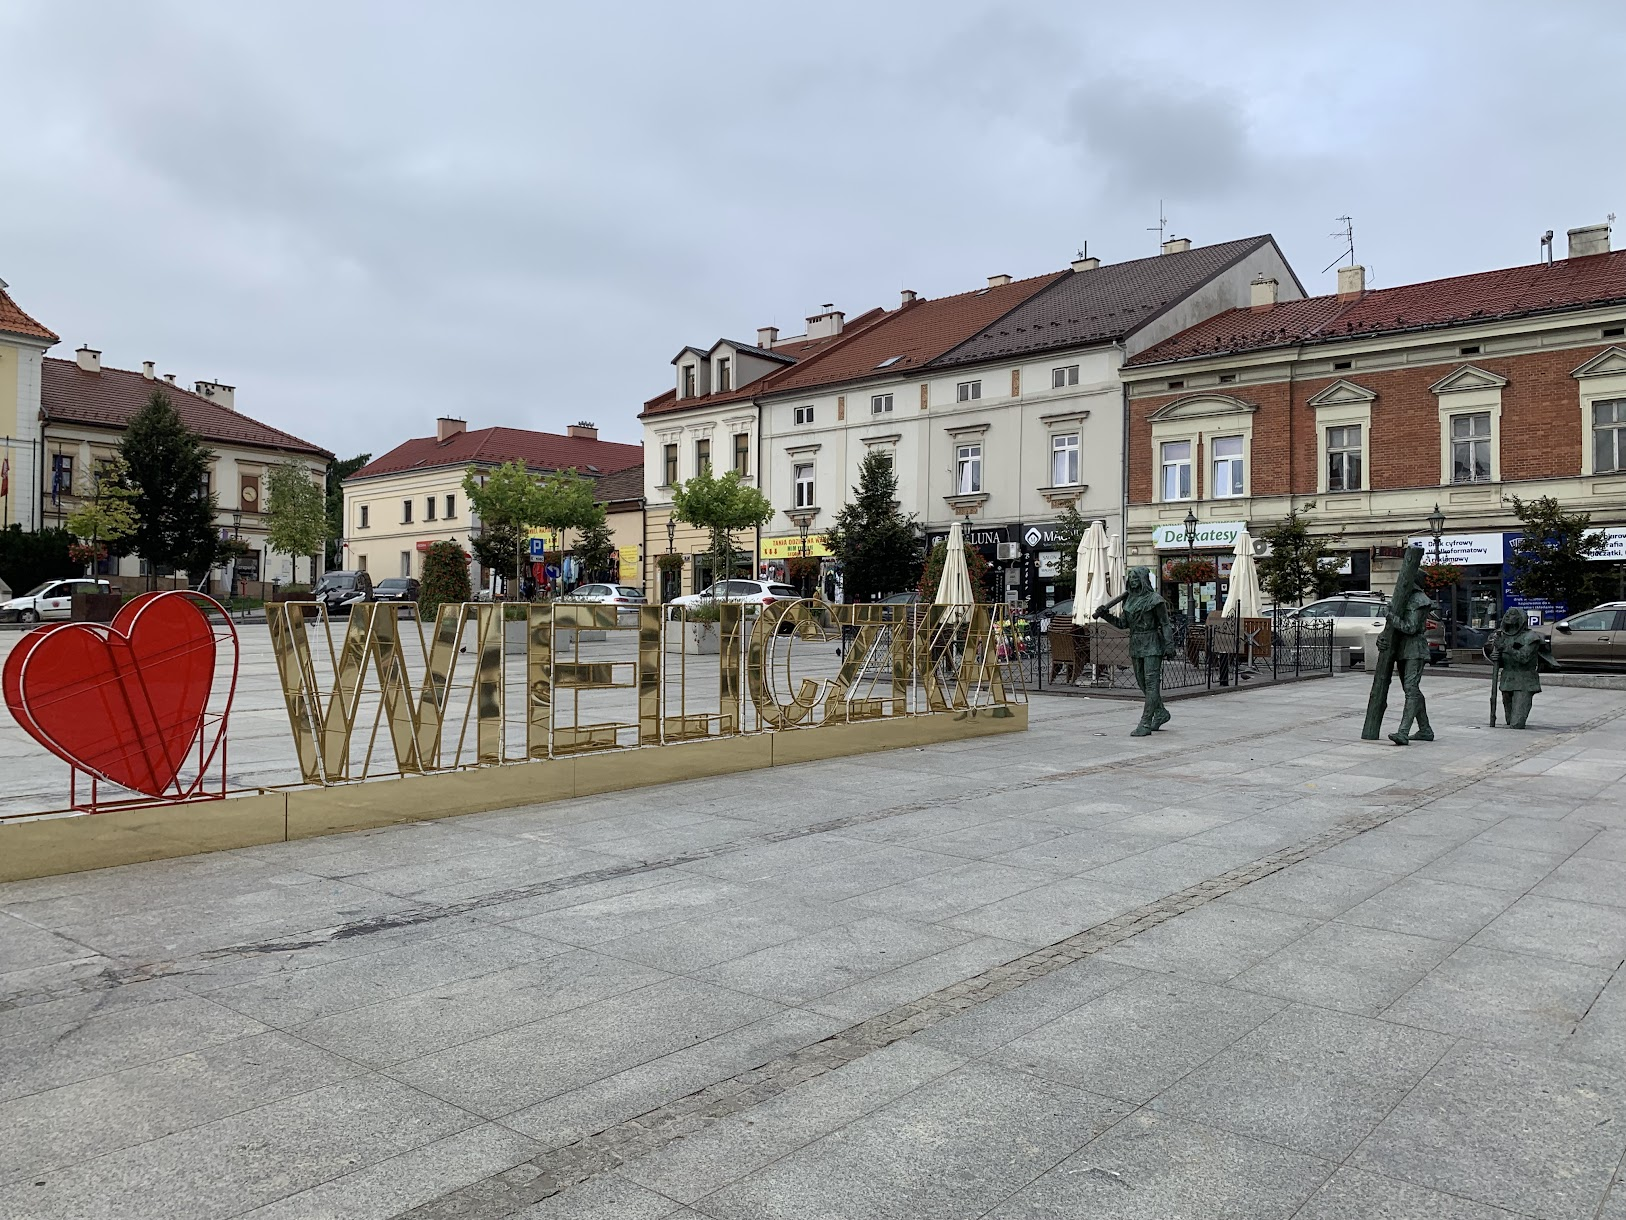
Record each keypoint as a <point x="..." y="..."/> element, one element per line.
<point x="1151" y="639"/>
<point x="1403" y="645"/>
<point x="1518" y="654"/>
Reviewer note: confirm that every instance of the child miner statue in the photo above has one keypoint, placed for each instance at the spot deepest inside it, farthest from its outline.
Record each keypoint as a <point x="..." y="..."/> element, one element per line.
<point x="1151" y="640"/>
<point x="1518" y="653"/>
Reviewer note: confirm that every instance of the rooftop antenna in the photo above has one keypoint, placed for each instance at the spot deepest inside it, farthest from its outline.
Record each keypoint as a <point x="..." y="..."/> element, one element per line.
<point x="1348" y="235"/>
<point x="1546" y="254"/>
<point x="1162" y="224"/>
<point x="1084" y="250"/>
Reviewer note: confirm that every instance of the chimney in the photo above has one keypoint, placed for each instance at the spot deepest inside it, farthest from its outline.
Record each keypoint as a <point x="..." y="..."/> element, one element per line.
<point x="998" y="281"/>
<point x="825" y="325"/>
<point x="446" y="427"/>
<point x="1081" y="263"/>
<point x="146" y="370"/>
<point x="586" y="431"/>
<point x="1351" y="282"/>
<point x="218" y="393"/>
<point x="170" y="377"/>
<point x="1263" y="292"/>
<point x="1588" y="240"/>
<point x="767" y="336"/>
<point x="908" y="297"/>
<point x="89" y="359"/>
<point x="1177" y="245"/>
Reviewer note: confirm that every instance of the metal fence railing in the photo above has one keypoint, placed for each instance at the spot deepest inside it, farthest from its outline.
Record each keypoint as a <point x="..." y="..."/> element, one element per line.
<point x="1223" y="652"/>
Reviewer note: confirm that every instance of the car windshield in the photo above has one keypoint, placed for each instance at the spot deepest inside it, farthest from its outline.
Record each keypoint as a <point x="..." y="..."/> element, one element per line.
<point x="336" y="580"/>
<point x="39" y="589"/>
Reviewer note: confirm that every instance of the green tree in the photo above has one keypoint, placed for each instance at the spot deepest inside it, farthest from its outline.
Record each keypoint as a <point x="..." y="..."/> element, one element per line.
<point x="510" y="500"/>
<point x="1071" y="526"/>
<point x="595" y="551"/>
<point x="720" y="505"/>
<point x="106" y="512"/>
<point x="169" y="468"/>
<point x="496" y="545"/>
<point x="1300" y="564"/>
<point x="1550" y="557"/>
<point x="874" y="540"/>
<point x="27" y="560"/>
<point x="445" y="578"/>
<point x="337" y="473"/>
<point x="296" y="520"/>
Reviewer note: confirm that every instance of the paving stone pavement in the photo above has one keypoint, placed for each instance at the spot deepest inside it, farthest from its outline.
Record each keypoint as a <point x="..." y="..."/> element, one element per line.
<point x="1250" y="966"/>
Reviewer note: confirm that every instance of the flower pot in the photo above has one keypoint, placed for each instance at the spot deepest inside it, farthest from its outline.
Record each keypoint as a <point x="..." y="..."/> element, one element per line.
<point x="702" y="637"/>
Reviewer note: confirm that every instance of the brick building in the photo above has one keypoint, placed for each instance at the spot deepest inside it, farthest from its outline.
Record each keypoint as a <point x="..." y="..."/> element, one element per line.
<point x="1379" y="405"/>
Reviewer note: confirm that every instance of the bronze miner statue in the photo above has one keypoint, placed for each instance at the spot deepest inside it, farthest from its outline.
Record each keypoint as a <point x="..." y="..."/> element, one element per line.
<point x="1518" y="654"/>
<point x="1151" y="639"/>
<point x="1403" y="643"/>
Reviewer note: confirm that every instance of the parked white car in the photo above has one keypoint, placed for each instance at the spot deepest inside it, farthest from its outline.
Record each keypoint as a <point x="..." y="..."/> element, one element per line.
<point x="614" y="595"/>
<point x="52" y="600"/>
<point x="751" y="592"/>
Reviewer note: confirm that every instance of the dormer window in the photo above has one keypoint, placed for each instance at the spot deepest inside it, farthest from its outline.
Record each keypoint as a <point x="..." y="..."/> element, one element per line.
<point x="723" y="375"/>
<point x="688" y="381"/>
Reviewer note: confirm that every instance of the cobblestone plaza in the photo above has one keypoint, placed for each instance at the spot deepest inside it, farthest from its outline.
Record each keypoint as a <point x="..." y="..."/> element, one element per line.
<point x="1248" y="966"/>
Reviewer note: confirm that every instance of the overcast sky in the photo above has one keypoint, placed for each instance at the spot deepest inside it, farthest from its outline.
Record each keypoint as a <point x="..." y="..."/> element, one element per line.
<point x="364" y="215"/>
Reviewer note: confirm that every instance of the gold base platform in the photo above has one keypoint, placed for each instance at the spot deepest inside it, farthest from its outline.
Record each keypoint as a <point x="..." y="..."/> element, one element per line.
<point x="46" y="847"/>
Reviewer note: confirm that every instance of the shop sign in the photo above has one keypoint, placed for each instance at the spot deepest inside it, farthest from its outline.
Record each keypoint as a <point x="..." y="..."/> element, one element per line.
<point x="789" y="546"/>
<point x="1614" y="547"/>
<point x="1049" y="565"/>
<point x="1210" y="535"/>
<point x="988" y="536"/>
<point x="627" y="557"/>
<point x="1040" y="534"/>
<point x="1462" y="550"/>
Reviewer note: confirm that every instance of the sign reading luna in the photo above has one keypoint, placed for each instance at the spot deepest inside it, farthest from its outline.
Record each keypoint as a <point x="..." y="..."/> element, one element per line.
<point x="593" y="679"/>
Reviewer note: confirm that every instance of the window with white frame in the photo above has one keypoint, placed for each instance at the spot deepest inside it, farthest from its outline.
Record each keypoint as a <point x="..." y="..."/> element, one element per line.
<point x="968" y="468"/>
<point x="363" y="523"/>
<point x="406" y="512"/>
<point x="702" y="455"/>
<point x="802" y="477"/>
<point x="688" y="381"/>
<point x="1471" y="448"/>
<point x="967" y="390"/>
<point x="1344" y="458"/>
<point x="1176" y="470"/>
<point x="1064" y="376"/>
<point x="1227" y="466"/>
<point x="1064" y="459"/>
<point x="880" y="404"/>
<point x="1609" y="436"/>
<point x="724" y="374"/>
<point x="802" y="415"/>
<point x="451" y="506"/>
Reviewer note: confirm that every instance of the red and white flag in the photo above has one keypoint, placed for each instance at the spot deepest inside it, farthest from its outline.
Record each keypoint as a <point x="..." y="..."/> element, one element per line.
<point x="5" y="474"/>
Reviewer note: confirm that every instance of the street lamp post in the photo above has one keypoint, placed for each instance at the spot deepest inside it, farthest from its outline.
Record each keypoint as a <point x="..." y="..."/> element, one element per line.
<point x="803" y="524"/>
<point x="1191" y="555"/>
<point x="671" y="549"/>
<point x="1436" y="527"/>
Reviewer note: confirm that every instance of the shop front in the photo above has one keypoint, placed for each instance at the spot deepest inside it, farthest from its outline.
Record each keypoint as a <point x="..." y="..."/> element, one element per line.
<point x="1473" y="576"/>
<point x="776" y="555"/>
<point x="1195" y="574"/>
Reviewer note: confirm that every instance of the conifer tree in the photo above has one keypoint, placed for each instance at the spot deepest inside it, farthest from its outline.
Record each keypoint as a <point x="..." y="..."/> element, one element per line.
<point x="169" y="467"/>
<point x="873" y="538"/>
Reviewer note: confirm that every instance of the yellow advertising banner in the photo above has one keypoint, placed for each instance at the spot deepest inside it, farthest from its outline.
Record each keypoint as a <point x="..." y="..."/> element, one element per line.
<point x="628" y="556"/>
<point x="789" y="546"/>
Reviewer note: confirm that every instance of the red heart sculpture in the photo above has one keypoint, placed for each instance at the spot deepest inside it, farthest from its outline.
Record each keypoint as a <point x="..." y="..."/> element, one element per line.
<point x="125" y="701"/>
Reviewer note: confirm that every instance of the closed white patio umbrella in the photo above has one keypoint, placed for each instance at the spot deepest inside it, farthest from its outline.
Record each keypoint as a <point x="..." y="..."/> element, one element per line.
<point x="1094" y="573"/>
<point x="1243" y="597"/>
<point x="954" y="586"/>
<point x="1115" y="565"/>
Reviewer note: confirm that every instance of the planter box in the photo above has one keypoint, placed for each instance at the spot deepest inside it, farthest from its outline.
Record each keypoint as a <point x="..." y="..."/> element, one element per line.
<point x="95" y="607"/>
<point x="515" y="632"/>
<point x="702" y="638"/>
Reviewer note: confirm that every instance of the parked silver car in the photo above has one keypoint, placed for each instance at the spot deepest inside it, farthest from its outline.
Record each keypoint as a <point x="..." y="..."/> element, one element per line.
<point x="1593" y="639"/>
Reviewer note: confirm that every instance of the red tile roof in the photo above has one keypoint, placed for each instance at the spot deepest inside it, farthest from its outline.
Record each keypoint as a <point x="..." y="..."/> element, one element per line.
<point x="793" y="349"/>
<point x="1463" y="300"/>
<point x="541" y="451"/>
<point x="910" y="336"/>
<point x="110" y="398"/>
<point x="13" y="321"/>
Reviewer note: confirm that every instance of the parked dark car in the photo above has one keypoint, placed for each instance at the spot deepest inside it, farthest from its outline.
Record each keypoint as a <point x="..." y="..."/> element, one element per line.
<point x="338" y="591"/>
<point x="396" y="589"/>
